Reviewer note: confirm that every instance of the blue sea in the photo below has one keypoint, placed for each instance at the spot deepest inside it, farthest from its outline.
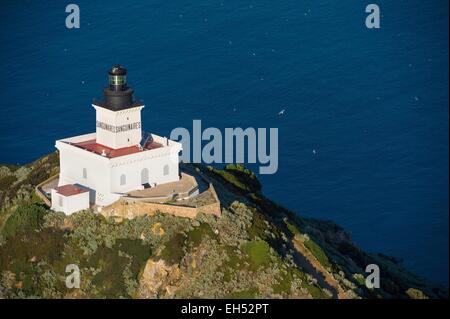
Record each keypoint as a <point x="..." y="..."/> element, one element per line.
<point x="364" y="137"/>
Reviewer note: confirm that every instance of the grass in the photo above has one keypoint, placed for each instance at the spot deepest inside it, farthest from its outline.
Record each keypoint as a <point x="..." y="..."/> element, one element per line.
<point x="173" y="250"/>
<point x="195" y="236"/>
<point x="257" y="252"/>
<point x="318" y="253"/>
<point x="235" y="262"/>
<point x="292" y="228"/>
<point x="240" y="177"/>
<point x="262" y="229"/>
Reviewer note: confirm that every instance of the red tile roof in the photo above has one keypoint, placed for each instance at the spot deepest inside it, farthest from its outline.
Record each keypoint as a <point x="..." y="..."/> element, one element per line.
<point x="70" y="190"/>
<point x="100" y="149"/>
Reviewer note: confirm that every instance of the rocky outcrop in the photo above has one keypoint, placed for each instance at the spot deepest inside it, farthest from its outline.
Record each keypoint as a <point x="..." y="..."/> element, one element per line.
<point x="158" y="280"/>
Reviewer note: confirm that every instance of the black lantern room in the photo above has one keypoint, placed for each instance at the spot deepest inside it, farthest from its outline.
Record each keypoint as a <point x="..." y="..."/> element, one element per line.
<point x="117" y="96"/>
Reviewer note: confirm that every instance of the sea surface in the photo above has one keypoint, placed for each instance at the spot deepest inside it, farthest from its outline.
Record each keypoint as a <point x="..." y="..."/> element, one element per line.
<point x="363" y="140"/>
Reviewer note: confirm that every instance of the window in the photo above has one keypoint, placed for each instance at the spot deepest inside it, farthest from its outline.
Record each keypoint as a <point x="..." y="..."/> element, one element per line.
<point x="166" y="170"/>
<point x="60" y="202"/>
<point x="117" y="79"/>
<point x="84" y="173"/>
<point x="123" y="179"/>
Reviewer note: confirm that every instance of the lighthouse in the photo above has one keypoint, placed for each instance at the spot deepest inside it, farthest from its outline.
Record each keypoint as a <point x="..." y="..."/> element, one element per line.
<point x="118" y="158"/>
<point x="118" y="116"/>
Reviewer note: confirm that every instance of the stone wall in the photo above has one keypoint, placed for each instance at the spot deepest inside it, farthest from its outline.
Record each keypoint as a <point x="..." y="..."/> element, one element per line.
<point x="40" y="191"/>
<point x="128" y="209"/>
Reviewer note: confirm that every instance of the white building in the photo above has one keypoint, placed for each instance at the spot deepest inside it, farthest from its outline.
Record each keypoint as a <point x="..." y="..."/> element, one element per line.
<point x="118" y="157"/>
<point x="70" y="199"/>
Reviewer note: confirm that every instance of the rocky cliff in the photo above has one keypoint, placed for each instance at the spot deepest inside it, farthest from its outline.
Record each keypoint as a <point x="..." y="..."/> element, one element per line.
<point x="255" y="249"/>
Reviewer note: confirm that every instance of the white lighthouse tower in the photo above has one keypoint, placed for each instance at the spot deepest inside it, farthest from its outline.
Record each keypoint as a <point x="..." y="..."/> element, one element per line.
<point x="118" y="117"/>
<point x="118" y="158"/>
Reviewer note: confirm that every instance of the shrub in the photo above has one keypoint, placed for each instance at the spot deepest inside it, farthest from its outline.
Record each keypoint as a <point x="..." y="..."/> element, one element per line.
<point x="286" y="278"/>
<point x="195" y="236"/>
<point x="137" y="250"/>
<point x="26" y="218"/>
<point x="54" y="219"/>
<point x="173" y="251"/>
<point x="316" y="292"/>
<point x="258" y="227"/>
<point x="6" y="181"/>
<point x="240" y="177"/>
<point x="18" y="251"/>
<point x="109" y="280"/>
<point x="414" y="293"/>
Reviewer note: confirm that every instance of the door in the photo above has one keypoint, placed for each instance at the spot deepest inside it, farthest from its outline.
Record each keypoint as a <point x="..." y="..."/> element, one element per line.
<point x="144" y="176"/>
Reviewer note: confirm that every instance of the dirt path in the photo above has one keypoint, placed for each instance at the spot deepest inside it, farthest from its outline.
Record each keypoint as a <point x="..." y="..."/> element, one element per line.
<point x="308" y="261"/>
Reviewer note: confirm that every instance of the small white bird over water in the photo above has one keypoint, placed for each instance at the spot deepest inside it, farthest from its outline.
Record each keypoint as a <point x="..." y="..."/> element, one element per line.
<point x="314" y="152"/>
<point x="282" y="112"/>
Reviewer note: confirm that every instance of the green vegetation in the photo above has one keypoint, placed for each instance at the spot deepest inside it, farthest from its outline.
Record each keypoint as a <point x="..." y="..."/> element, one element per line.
<point x="316" y="292"/>
<point x="416" y="294"/>
<point x="17" y="183"/>
<point x="240" y="177"/>
<point x="17" y="253"/>
<point x="258" y="228"/>
<point x="360" y="280"/>
<point x="118" y="268"/>
<point x="137" y="250"/>
<point x="7" y="181"/>
<point x="285" y="280"/>
<point x="111" y="265"/>
<point x="173" y="250"/>
<point x="234" y="262"/>
<point x="28" y="257"/>
<point x="258" y="253"/>
<point x="292" y="228"/>
<point x="195" y="236"/>
<point x="25" y="219"/>
<point x="318" y="253"/>
<point x="244" y="294"/>
<point x="248" y="252"/>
